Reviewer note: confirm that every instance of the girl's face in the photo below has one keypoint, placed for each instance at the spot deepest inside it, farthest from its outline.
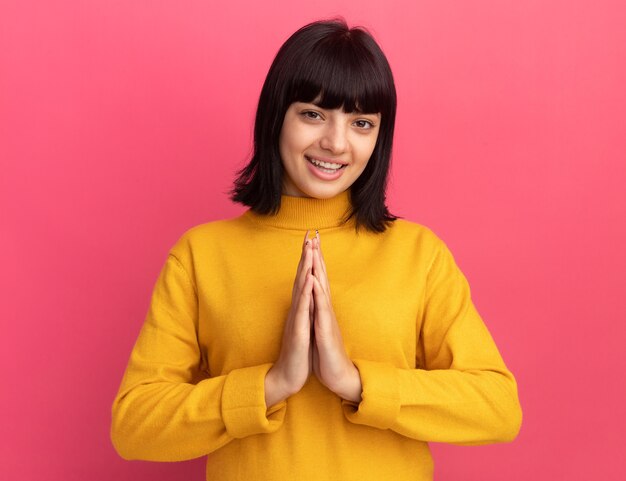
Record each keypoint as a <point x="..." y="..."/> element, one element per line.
<point x="324" y="150"/>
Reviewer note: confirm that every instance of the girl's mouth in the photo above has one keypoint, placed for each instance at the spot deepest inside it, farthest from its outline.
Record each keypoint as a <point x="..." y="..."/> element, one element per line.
<point x="326" y="167"/>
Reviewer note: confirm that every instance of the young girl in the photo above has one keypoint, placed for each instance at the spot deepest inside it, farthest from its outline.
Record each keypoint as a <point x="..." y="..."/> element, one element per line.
<point x="347" y="370"/>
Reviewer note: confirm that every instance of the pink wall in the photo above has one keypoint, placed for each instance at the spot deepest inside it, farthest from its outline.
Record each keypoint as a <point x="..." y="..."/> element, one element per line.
<point x="122" y="124"/>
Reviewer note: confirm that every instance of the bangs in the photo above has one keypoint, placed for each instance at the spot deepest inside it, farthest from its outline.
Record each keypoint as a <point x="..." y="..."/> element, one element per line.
<point x="342" y="76"/>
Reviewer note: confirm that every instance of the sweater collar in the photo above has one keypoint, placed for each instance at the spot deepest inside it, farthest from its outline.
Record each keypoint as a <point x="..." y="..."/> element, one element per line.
<point x="307" y="213"/>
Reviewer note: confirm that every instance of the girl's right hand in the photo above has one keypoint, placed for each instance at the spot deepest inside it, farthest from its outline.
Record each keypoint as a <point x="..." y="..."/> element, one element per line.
<point x="291" y="371"/>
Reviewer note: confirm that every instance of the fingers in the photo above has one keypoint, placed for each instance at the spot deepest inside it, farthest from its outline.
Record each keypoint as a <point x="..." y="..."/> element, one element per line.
<point x="306" y="261"/>
<point x="304" y="244"/>
<point x="319" y="240"/>
<point x="318" y="267"/>
<point x="304" y="298"/>
<point x="296" y="334"/>
<point x="319" y="296"/>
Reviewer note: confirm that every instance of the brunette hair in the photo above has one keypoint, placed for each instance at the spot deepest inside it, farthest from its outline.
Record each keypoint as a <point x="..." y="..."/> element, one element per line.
<point x="338" y="67"/>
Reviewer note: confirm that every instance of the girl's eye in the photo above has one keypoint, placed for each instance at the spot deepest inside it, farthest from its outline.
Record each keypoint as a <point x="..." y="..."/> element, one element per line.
<point x="309" y="114"/>
<point x="364" y="124"/>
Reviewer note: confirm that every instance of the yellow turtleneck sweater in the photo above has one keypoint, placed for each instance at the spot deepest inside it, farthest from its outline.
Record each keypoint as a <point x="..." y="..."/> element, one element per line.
<point x="430" y="371"/>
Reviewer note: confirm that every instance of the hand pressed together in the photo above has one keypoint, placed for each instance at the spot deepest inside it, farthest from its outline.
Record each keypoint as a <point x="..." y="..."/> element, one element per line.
<point x="312" y="339"/>
<point x="293" y="366"/>
<point x="331" y="363"/>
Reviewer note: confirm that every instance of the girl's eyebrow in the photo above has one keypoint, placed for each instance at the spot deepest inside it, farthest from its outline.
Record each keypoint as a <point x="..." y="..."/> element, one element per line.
<point x="355" y="112"/>
<point x="310" y="103"/>
<point x="358" y="112"/>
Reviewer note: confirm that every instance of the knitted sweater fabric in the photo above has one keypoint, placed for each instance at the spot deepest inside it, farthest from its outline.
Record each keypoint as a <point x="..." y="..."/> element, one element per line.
<point x="429" y="368"/>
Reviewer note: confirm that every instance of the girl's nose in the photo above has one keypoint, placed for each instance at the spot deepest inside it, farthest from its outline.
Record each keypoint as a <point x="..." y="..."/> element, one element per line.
<point x="334" y="138"/>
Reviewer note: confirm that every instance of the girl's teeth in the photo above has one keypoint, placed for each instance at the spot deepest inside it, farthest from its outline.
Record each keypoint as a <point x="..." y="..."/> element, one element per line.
<point x="325" y="166"/>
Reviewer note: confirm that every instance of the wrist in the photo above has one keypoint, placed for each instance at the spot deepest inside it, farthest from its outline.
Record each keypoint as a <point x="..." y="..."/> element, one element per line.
<point x="275" y="390"/>
<point x="351" y="388"/>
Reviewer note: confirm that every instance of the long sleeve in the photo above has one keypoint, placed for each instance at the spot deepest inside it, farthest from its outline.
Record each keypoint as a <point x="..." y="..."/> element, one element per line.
<point x="461" y="391"/>
<point x="166" y="409"/>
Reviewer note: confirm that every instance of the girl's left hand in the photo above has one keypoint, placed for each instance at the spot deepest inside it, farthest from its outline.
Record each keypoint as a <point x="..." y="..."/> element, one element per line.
<point x="331" y="363"/>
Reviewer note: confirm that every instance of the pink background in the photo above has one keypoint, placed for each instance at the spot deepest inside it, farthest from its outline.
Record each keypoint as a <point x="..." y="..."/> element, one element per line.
<point x="122" y="124"/>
